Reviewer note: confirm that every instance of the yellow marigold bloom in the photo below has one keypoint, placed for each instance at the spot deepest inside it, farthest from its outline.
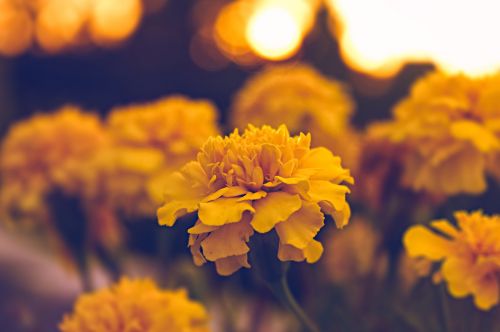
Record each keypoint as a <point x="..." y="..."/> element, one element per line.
<point x="136" y="306"/>
<point x="150" y="141"/>
<point x="450" y="125"/>
<point x="355" y="253"/>
<point x="45" y="153"/>
<point x="261" y="180"/>
<point x="470" y="254"/>
<point x="305" y="101"/>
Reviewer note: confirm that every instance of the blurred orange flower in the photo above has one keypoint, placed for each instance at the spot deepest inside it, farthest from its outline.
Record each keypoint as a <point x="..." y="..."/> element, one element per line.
<point x="148" y="142"/>
<point x="136" y="305"/>
<point x="45" y="153"/>
<point x="470" y="254"/>
<point x="300" y="97"/>
<point x="450" y="127"/>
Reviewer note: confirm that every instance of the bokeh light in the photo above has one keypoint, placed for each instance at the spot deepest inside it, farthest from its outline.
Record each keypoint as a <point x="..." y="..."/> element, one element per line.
<point x="250" y="32"/>
<point x="386" y="34"/>
<point x="273" y="33"/>
<point x="55" y="26"/>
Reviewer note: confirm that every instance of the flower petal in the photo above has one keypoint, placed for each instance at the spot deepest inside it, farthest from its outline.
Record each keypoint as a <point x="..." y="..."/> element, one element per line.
<point x="226" y="192"/>
<point x="253" y="196"/>
<point x="319" y="163"/>
<point x="200" y="228"/>
<point x="229" y="265"/>
<point x="168" y="213"/>
<point x="341" y="217"/>
<point x="313" y="251"/>
<point x="194" y="245"/>
<point x="302" y="226"/>
<point x="228" y="240"/>
<point x="456" y="272"/>
<point x="327" y="191"/>
<point x="274" y="208"/>
<point x="223" y="211"/>
<point x="290" y="253"/>
<point x="420" y="241"/>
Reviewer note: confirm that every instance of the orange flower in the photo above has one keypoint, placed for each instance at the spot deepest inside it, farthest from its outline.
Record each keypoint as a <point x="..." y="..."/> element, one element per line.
<point x="470" y="254"/>
<point x="260" y="181"/>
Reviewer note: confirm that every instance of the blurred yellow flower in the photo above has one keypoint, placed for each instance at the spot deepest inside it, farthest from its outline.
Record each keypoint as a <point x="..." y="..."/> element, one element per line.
<point x="300" y="97"/>
<point x="355" y="253"/>
<point x="150" y="141"/>
<point x="410" y="270"/>
<point x="136" y="306"/>
<point x="470" y="254"/>
<point x="450" y="125"/>
<point x="45" y="153"/>
<point x="261" y="180"/>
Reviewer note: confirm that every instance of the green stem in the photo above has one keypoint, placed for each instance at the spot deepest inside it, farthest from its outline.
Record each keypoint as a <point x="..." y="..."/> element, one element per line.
<point x="282" y="291"/>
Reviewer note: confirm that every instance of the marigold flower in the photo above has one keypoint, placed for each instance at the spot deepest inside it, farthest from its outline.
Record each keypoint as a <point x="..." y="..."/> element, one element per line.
<point x="450" y="127"/>
<point x="470" y="254"/>
<point x="261" y="180"/>
<point x="305" y="101"/>
<point x="150" y="141"/>
<point x="136" y="306"/>
<point x="48" y="152"/>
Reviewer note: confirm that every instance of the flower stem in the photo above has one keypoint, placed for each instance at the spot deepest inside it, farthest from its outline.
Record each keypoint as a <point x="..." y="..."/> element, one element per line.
<point x="282" y="291"/>
<point x="446" y="310"/>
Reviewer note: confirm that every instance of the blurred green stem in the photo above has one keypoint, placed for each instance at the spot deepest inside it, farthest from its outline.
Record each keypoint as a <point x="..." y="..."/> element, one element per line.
<point x="282" y="291"/>
<point x="445" y="308"/>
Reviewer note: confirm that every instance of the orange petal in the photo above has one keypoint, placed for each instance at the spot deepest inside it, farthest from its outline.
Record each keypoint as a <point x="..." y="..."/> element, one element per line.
<point x="168" y="213"/>
<point x="223" y="211"/>
<point x="229" y="265"/>
<point x="420" y="241"/>
<point x="274" y="208"/>
<point x="228" y="240"/>
<point x="302" y="226"/>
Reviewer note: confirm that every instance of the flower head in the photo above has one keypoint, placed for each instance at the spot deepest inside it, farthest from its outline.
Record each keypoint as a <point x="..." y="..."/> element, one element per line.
<point x="260" y="180"/>
<point x="305" y="101"/>
<point x="450" y="126"/>
<point x="150" y="141"/>
<point x="136" y="306"/>
<point x="470" y="254"/>
<point x="45" y="153"/>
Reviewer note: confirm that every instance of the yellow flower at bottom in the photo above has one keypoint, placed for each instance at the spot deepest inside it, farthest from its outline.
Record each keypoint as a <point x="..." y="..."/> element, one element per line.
<point x="470" y="254"/>
<point x="136" y="306"/>
<point x="260" y="181"/>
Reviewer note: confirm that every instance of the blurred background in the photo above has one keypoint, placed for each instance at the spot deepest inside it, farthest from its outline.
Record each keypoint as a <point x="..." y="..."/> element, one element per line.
<point x="100" y="54"/>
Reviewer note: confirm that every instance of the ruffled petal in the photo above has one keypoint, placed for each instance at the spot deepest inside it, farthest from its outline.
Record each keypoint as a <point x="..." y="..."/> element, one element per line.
<point x="325" y="191"/>
<point x="194" y="245"/>
<point x="223" y="211"/>
<point x="420" y="241"/>
<point x="319" y="163"/>
<point x="302" y="226"/>
<point x="313" y="251"/>
<point x="168" y="213"/>
<point x="228" y="240"/>
<point x="456" y="272"/>
<point x="229" y="265"/>
<point x="290" y="253"/>
<point x="486" y="291"/>
<point x="272" y="209"/>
